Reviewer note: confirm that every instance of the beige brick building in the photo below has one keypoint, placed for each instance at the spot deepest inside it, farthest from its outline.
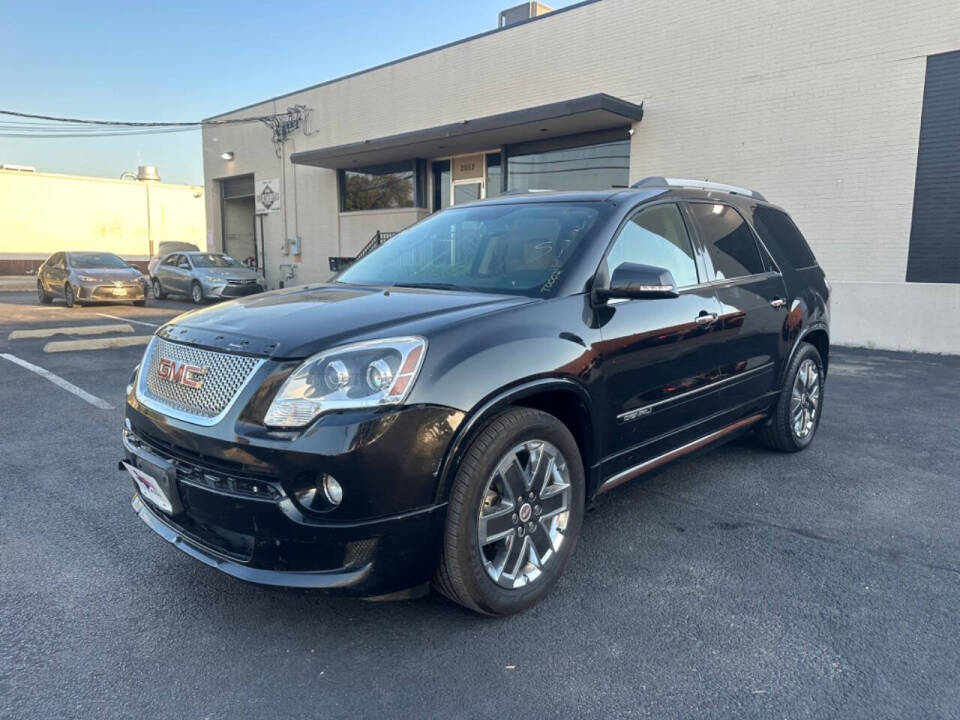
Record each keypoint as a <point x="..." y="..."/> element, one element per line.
<point x="819" y="105"/>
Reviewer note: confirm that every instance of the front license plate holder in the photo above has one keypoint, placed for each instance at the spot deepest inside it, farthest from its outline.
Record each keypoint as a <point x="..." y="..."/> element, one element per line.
<point x="146" y="470"/>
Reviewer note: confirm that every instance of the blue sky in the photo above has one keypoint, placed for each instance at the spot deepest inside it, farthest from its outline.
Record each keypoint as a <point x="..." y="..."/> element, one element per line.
<point x="180" y="61"/>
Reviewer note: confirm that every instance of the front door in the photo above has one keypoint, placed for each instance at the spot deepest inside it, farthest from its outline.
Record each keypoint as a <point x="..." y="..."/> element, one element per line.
<point x="657" y="355"/>
<point x="467" y="178"/>
<point x="753" y="297"/>
<point x="467" y="192"/>
<point x="168" y="275"/>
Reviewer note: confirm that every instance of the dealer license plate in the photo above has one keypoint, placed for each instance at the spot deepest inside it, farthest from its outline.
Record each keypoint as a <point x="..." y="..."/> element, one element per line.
<point x="149" y="488"/>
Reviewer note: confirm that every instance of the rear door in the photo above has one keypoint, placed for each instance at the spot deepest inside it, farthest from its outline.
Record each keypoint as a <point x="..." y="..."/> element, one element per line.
<point x="167" y="273"/>
<point x="754" y="304"/>
<point x="657" y="358"/>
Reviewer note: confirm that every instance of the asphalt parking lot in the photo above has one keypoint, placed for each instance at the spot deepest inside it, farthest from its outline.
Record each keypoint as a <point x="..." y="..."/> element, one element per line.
<point x="740" y="583"/>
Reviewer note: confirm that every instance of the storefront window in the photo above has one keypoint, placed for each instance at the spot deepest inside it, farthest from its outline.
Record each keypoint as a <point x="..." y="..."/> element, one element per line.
<point x="493" y="174"/>
<point x="586" y="167"/>
<point x="381" y="187"/>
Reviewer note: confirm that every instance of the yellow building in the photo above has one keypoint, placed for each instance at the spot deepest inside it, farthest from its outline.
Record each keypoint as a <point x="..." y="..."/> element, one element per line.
<point x="42" y="213"/>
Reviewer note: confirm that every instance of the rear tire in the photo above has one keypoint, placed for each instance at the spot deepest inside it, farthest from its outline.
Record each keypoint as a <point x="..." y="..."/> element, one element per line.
<point x="196" y="293"/>
<point x="158" y="291"/>
<point x="42" y="296"/>
<point x="800" y="404"/>
<point x="504" y="570"/>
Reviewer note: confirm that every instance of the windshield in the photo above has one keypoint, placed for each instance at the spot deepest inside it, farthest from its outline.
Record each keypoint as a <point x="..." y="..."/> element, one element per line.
<point x="90" y="261"/>
<point x="520" y="249"/>
<point x="214" y="260"/>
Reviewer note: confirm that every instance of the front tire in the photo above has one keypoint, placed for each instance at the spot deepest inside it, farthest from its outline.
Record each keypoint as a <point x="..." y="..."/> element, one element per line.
<point x="800" y="404"/>
<point x="42" y="296"/>
<point x="69" y="297"/>
<point x="196" y="293"/>
<point x="158" y="291"/>
<point x="514" y="516"/>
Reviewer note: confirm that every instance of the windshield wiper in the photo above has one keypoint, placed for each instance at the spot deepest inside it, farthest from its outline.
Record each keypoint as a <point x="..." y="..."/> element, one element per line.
<point x="429" y="285"/>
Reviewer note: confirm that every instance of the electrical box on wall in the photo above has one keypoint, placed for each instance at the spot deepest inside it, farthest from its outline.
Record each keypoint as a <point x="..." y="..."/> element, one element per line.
<point x="292" y="246"/>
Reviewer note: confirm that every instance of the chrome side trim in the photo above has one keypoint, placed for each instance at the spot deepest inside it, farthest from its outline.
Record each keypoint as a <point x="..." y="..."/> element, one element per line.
<point x="666" y="457"/>
<point x="644" y="410"/>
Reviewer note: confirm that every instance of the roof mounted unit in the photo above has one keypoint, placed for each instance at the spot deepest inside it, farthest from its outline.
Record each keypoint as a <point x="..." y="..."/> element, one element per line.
<point x="522" y="13"/>
<point x="659" y="181"/>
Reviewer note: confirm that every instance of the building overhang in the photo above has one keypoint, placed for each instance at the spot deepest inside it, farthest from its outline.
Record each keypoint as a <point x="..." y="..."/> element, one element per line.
<point x="570" y="117"/>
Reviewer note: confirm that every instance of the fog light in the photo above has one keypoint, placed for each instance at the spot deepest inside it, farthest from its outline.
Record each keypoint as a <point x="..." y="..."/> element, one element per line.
<point x="332" y="490"/>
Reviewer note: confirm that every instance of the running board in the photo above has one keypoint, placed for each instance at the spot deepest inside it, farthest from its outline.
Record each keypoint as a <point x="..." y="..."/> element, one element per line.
<point x="655" y="462"/>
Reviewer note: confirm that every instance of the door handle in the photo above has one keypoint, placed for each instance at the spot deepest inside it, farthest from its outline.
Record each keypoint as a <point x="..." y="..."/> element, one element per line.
<point x="778" y="303"/>
<point x="705" y="318"/>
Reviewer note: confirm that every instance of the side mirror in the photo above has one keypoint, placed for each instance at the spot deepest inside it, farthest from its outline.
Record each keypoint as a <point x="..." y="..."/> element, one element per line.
<point x="632" y="280"/>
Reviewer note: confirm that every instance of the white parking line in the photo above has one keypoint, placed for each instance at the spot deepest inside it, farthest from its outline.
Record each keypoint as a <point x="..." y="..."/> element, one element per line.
<point x="57" y="380"/>
<point x="95" y="344"/>
<point x="77" y="330"/>
<point x="126" y="319"/>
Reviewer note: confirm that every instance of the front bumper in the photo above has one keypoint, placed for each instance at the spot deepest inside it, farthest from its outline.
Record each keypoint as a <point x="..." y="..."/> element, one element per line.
<point x="111" y="292"/>
<point x="244" y="519"/>
<point x="227" y="289"/>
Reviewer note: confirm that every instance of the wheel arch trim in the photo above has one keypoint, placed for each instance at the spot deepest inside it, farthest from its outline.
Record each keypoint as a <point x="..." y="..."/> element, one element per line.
<point x="494" y="404"/>
<point x="801" y="338"/>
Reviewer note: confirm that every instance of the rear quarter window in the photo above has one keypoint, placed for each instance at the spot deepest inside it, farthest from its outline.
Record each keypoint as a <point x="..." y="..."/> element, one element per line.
<point x="779" y="231"/>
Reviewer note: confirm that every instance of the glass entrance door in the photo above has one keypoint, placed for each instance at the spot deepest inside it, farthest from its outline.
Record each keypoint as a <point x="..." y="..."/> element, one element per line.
<point x="465" y="192"/>
<point x="467" y="178"/>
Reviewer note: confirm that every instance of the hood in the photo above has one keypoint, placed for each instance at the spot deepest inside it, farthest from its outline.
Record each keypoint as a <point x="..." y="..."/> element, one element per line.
<point x="108" y="274"/>
<point x="234" y="273"/>
<point x="301" y="321"/>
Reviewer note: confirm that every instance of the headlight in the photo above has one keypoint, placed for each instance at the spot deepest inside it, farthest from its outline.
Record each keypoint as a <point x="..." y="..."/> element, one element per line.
<point x="366" y="374"/>
<point x="86" y="278"/>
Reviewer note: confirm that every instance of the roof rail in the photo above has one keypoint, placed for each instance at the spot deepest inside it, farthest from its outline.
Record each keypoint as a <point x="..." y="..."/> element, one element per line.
<point x="525" y="191"/>
<point x="660" y="181"/>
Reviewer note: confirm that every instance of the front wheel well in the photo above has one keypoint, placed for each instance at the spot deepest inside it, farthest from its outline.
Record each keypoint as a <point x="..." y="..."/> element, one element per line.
<point x="569" y="409"/>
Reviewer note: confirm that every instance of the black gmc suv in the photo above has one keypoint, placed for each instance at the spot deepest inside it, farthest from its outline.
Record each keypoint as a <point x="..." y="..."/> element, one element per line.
<point x="446" y="407"/>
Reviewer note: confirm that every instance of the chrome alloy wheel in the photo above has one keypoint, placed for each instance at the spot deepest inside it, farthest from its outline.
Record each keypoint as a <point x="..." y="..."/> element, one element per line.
<point x="805" y="399"/>
<point x="523" y="513"/>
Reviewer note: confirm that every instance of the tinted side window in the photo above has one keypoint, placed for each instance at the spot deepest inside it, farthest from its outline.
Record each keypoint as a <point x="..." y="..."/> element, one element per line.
<point x="656" y="236"/>
<point x="728" y="240"/>
<point x="172" y="260"/>
<point x="777" y="230"/>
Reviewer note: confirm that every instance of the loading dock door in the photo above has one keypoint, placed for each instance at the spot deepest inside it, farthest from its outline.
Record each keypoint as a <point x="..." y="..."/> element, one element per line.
<point x="239" y="233"/>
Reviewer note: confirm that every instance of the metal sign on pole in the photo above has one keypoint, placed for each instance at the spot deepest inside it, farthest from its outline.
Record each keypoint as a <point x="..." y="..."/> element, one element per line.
<point x="267" y="196"/>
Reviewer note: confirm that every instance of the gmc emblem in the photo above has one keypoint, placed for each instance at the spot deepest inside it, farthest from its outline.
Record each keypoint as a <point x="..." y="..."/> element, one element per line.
<point x="189" y="376"/>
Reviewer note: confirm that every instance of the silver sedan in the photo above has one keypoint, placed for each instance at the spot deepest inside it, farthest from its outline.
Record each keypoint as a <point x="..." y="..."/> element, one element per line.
<point x="203" y="275"/>
<point x="82" y="277"/>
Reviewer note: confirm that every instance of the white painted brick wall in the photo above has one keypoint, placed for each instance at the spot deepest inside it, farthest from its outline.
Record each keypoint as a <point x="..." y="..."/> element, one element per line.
<point x="817" y="104"/>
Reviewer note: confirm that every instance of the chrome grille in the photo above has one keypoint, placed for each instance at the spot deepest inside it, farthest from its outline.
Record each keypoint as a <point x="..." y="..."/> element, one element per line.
<point x="225" y="377"/>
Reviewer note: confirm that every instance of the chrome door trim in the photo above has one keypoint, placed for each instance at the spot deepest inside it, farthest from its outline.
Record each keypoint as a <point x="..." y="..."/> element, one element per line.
<point x="644" y="410"/>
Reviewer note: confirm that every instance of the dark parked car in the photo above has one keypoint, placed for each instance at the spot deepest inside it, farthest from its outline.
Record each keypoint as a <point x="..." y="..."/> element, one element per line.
<point x="204" y="275"/>
<point x="84" y="277"/>
<point x="447" y="407"/>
